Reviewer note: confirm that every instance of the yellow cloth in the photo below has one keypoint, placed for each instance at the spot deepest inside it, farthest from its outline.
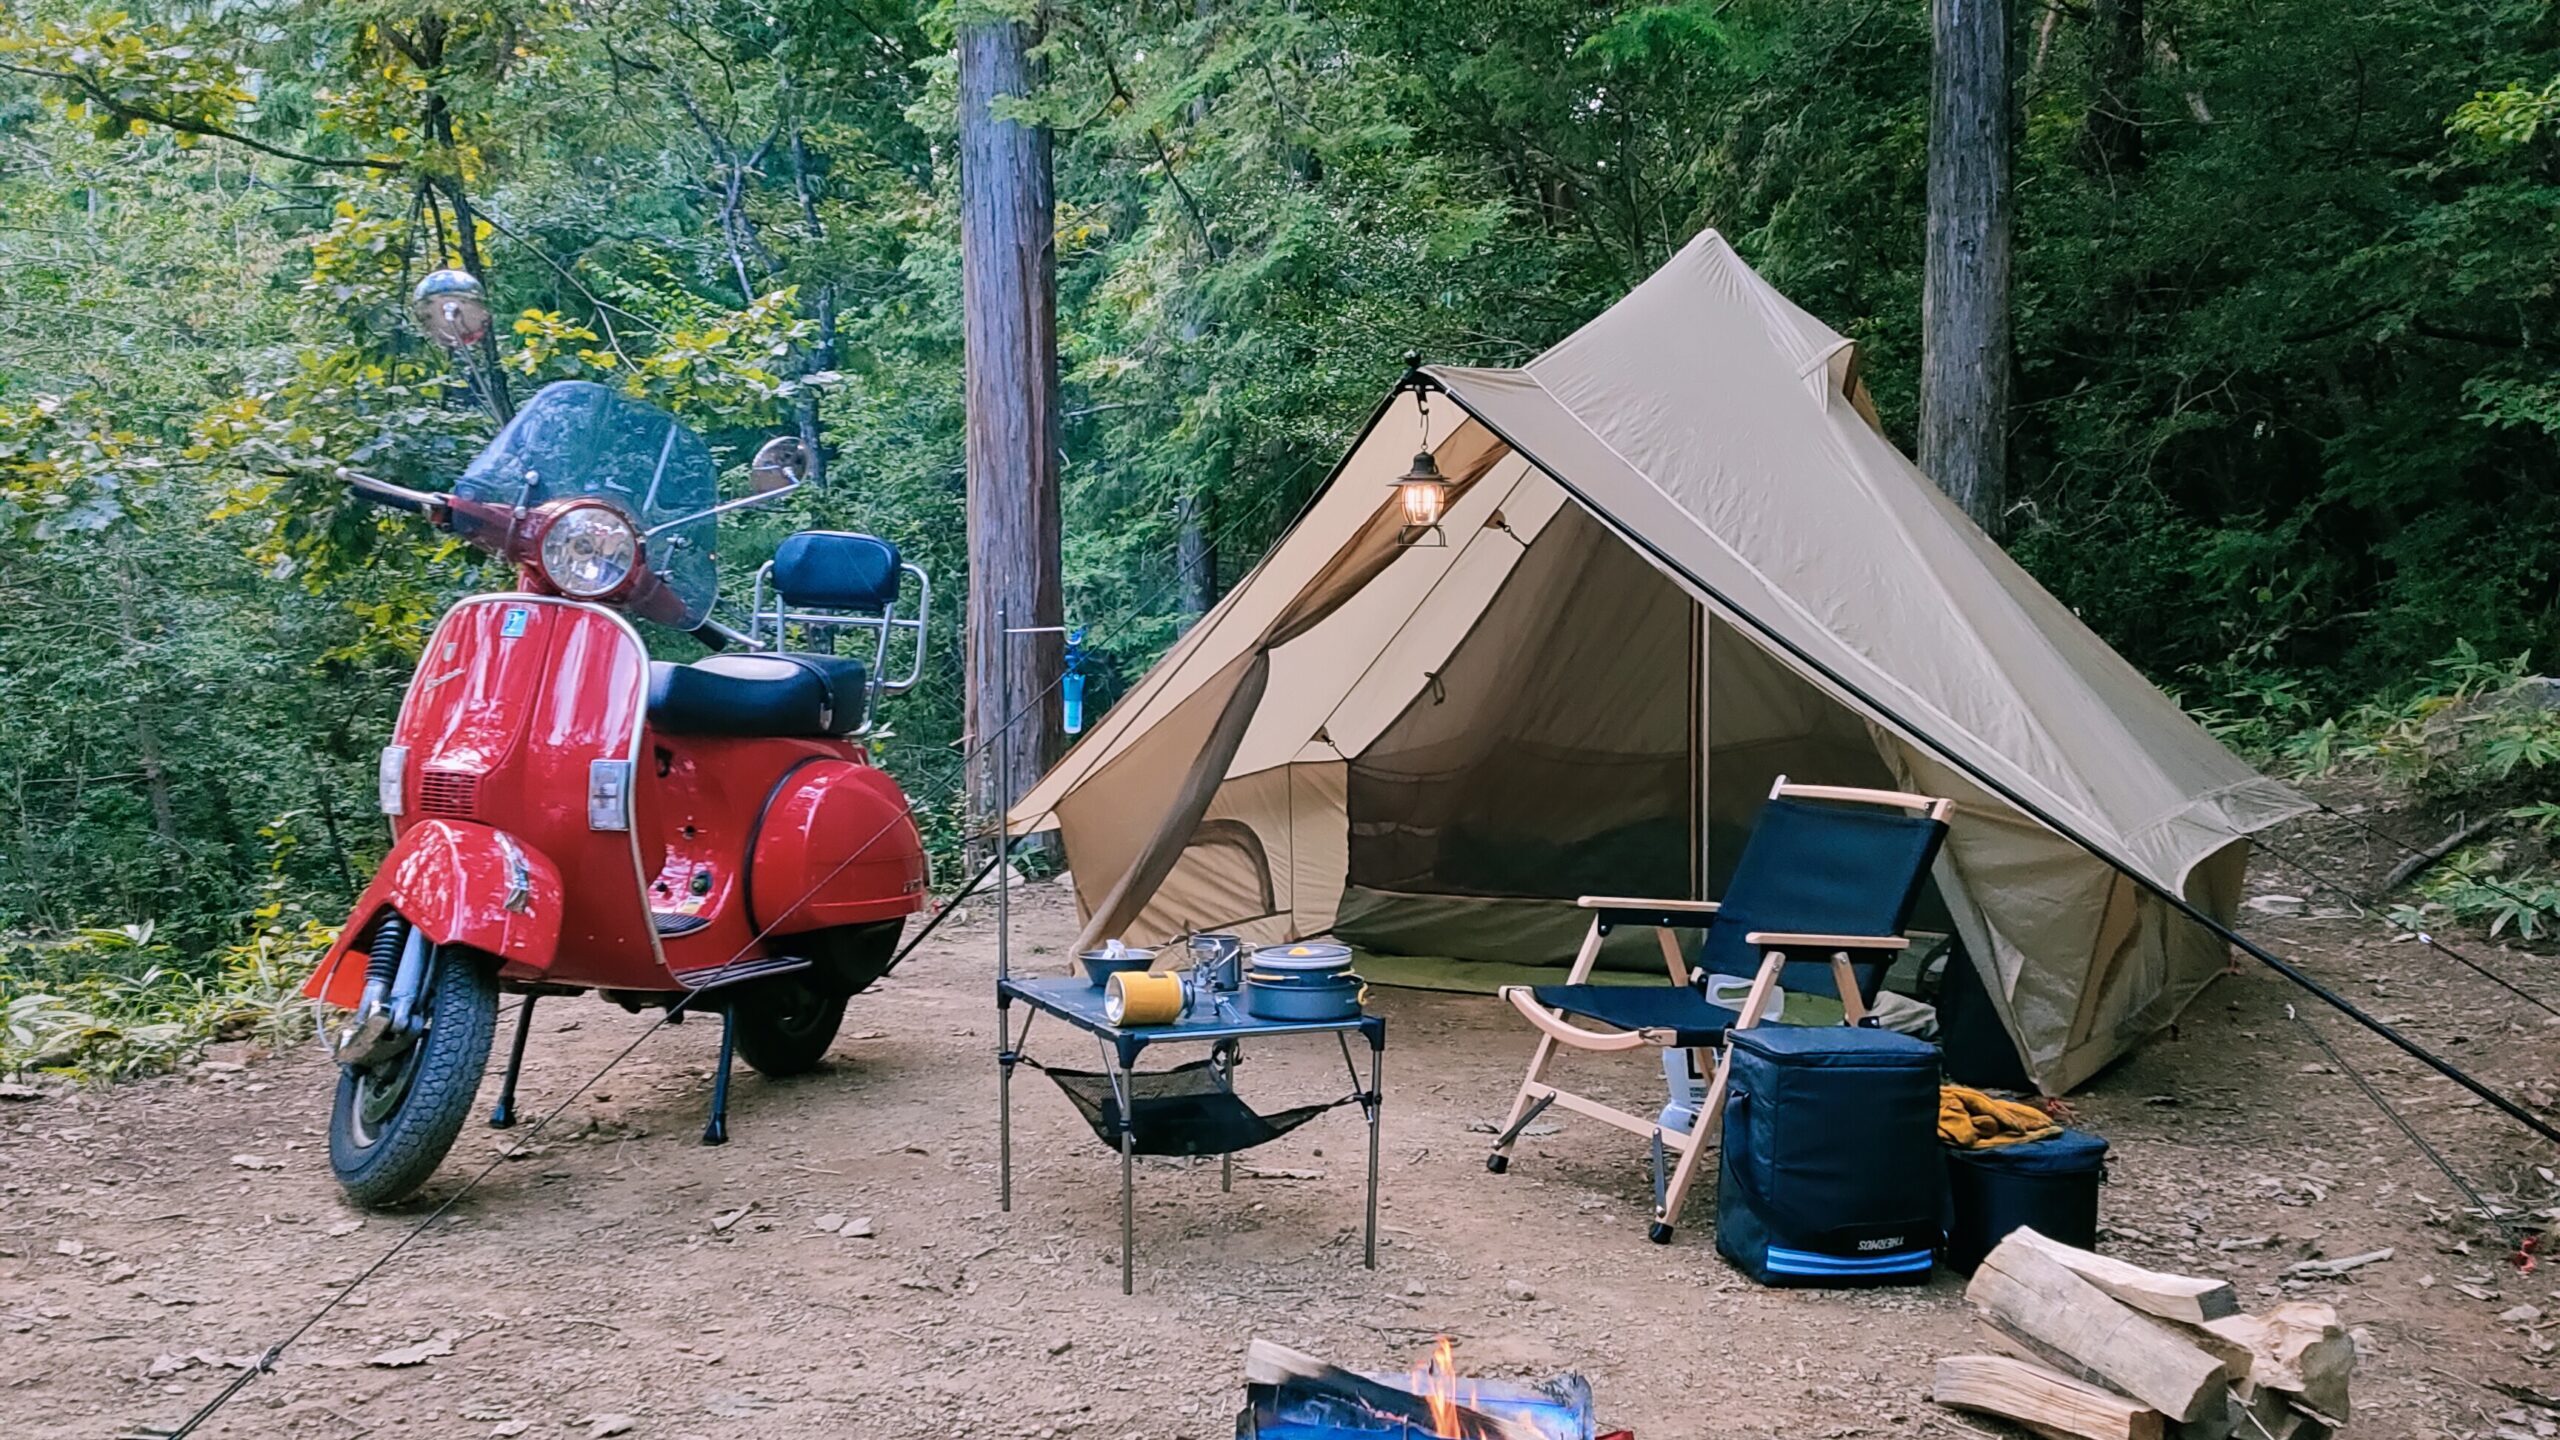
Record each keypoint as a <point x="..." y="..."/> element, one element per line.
<point x="1971" y="1120"/>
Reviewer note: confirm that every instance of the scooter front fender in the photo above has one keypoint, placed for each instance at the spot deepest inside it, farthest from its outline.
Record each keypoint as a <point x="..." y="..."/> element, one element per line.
<point x="462" y="884"/>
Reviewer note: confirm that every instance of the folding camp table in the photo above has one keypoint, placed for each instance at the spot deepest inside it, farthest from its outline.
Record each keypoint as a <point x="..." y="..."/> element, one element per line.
<point x="1072" y="999"/>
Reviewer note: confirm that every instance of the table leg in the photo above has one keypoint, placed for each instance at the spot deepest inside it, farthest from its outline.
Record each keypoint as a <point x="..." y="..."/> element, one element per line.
<point x="1123" y="1089"/>
<point x="1128" y="1205"/>
<point x="1227" y="1159"/>
<point x="1377" y="1102"/>
<point x="1004" y="1101"/>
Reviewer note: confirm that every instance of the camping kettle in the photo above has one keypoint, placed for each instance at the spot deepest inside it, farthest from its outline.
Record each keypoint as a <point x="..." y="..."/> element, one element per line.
<point x="1218" y="960"/>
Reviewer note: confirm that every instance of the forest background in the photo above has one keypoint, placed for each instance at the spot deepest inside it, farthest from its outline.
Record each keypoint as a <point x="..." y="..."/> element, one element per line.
<point x="2287" y="424"/>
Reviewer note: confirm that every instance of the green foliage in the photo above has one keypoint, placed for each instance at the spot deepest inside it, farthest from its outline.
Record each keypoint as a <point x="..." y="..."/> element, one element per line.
<point x="108" y="1004"/>
<point x="2287" y="428"/>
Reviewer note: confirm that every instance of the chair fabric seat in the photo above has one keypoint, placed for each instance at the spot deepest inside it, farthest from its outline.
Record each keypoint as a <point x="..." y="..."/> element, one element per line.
<point x="760" y="695"/>
<point x="1677" y="1008"/>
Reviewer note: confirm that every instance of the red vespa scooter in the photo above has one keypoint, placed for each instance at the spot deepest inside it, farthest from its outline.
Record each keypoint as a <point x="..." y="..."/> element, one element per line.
<point x="570" y="816"/>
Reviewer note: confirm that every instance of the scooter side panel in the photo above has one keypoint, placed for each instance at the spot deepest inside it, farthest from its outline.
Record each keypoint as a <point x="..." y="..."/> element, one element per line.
<point x="462" y="884"/>
<point x="516" y="696"/>
<point x="836" y="847"/>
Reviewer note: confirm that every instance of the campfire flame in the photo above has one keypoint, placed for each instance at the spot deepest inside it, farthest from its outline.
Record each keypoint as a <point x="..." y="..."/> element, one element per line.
<point x="1436" y="1381"/>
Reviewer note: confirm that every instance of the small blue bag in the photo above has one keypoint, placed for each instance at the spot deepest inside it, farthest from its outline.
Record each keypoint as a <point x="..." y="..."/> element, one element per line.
<point x="1830" y="1173"/>
<point x="2050" y="1185"/>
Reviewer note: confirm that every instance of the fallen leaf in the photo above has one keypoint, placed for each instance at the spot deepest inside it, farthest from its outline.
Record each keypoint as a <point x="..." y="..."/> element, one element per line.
<point x="604" y="1425"/>
<point x="418" y="1354"/>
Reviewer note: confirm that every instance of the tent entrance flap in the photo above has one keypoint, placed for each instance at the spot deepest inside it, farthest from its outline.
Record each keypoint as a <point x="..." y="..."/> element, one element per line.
<point x="1550" y="755"/>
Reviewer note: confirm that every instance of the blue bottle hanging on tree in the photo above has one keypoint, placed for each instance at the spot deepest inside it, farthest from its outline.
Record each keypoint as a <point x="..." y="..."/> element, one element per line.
<point x="1071" y="687"/>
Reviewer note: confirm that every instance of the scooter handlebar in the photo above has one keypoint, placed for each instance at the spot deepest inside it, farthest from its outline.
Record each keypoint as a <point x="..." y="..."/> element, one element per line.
<point x="393" y="497"/>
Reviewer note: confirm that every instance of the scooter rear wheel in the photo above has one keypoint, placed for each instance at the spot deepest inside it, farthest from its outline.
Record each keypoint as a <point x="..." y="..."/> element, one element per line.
<point x="785" y="1025"/>
<point x="393" y="1122"/>
<point x="849" y="959"/>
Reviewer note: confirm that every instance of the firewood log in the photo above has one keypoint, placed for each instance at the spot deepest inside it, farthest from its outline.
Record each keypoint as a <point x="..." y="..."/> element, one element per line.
<point x="2040" y="1304"/>
<point x="2045" y="1401"/>
<point x="2187" y="1298"/>
<point x="2298" y="1348"/>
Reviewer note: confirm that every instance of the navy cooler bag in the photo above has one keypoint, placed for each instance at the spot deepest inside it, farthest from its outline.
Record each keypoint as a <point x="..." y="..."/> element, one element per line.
<point x="1831" y="1173"/>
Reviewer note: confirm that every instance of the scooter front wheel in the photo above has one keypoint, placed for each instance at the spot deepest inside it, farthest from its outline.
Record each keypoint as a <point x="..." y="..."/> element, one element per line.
<point x="394" y="1120"/>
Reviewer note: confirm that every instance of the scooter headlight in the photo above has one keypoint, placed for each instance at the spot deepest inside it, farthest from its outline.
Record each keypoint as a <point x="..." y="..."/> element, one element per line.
<point x="589" y="551"/>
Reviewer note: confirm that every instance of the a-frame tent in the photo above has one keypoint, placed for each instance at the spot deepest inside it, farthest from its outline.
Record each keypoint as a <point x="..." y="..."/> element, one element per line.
<point x="1680" y="559"/>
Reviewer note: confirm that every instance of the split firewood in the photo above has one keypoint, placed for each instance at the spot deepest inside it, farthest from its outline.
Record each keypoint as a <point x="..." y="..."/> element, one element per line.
<point x="2271" y="1414"/>
<point x="2041" y="1304"/>
<point x="2043" y="1400"/>
<point x="2188" y="1298"/>
<point x="2298" y="1348"/>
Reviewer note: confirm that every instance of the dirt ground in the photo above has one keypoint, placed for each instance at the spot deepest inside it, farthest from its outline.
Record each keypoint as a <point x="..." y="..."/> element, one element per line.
<point x="154" y="1235"/>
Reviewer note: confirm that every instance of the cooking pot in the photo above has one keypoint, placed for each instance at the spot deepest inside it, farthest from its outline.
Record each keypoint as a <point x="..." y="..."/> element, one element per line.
<point x="1331" y="997"/>
<point x="1309" y="957"/>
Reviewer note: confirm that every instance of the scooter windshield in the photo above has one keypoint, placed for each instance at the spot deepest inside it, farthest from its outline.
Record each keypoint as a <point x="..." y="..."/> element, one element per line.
<point x="577" y="438"/>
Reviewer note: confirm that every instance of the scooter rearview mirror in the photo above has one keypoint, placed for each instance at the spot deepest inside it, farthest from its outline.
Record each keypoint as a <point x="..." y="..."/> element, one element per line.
<point x="452" y="308"/>
<point x="779" y="464"/>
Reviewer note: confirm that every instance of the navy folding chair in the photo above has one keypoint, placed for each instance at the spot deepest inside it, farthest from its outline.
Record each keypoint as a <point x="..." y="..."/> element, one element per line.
<point x="1828" y="872"/>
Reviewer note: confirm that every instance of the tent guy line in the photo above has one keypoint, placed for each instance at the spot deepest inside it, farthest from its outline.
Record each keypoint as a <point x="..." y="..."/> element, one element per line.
<point x="1981" y="775"/>
<point x="2372" y="905"/>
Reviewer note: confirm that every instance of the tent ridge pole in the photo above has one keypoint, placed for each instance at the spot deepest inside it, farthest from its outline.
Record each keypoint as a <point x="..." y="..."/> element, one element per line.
<point x="2175" y="901"/>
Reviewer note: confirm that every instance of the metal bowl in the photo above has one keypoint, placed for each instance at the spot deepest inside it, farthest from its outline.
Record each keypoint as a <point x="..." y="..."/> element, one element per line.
<point x="1101" y="965"/>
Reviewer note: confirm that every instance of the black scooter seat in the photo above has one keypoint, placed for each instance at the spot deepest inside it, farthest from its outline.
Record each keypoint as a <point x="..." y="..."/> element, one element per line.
<point x="760" y="695"/>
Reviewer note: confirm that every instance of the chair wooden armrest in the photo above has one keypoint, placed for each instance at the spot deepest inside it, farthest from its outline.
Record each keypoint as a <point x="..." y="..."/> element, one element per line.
<point x="1556" y="1026"/>
<point x="1790" y="940"/>
<point x="1621" y="902"/>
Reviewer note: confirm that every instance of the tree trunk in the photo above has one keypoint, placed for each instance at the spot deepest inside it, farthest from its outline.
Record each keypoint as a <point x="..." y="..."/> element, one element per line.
<point x="1964" y="307"/>
<point x="1008" y="270"/>
<point x="146" y="739"/>
<point x="2114" y="128"/>
<point x="1194" y="553"/>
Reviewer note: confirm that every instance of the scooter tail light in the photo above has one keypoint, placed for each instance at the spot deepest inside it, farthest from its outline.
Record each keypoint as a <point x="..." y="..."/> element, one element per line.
<point x="391" y="780"/>
<point x="608" y="794"/>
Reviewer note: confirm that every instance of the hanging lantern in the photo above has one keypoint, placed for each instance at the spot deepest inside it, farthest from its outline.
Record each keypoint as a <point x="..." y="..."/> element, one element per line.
<point x="1424" y="493"/>
<point x="452" y="308"/>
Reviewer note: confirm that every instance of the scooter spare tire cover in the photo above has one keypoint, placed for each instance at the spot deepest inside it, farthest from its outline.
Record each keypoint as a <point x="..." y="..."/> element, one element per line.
<point x="393" y="1122"/>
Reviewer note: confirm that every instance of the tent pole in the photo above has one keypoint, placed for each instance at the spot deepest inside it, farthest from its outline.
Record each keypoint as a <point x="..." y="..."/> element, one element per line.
<point x="1705" y="704"/>
<point x="1998" y="787"/>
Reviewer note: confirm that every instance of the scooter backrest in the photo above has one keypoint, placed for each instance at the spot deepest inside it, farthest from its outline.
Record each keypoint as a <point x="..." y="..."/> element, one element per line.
<point x="836" y="570"/>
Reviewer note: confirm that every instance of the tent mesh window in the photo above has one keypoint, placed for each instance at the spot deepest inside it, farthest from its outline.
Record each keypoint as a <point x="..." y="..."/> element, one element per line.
<point x="1552" y="756"/>
<point x="1187" y="1110"/>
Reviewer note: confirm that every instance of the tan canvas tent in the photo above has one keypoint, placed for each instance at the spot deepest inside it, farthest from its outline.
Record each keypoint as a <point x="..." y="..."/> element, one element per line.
<point x="1680" y="559"/>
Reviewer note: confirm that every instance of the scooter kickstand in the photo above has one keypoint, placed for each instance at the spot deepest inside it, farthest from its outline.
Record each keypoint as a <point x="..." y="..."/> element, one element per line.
<point x="504" y="1116"/>
<point x="717" y="1132"/>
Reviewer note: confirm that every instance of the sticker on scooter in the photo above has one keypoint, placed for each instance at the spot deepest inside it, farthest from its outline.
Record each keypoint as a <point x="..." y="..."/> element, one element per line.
<point x="512" y="627"/>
